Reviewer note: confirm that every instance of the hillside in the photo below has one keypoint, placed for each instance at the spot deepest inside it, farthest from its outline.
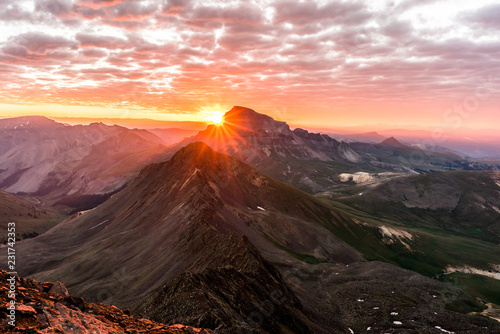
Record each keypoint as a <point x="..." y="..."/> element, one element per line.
<point x="203" y="224"/>
<point x="446" y="222"/>
<point x="31" y="216"/>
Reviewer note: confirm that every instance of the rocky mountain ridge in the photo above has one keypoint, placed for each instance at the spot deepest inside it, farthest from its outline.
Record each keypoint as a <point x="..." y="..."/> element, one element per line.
<point x="46" y="307"/>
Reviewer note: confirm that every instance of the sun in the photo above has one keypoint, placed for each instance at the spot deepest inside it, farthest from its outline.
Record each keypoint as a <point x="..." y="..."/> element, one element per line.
<point x="216" y="117"/>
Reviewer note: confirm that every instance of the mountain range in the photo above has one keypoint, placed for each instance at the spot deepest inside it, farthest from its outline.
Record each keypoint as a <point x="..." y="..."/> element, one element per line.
<point x="43" y="158"/>
<point x="208" y="241"/>
<point x="312" y="161"/>
<point x="213" y="233"/>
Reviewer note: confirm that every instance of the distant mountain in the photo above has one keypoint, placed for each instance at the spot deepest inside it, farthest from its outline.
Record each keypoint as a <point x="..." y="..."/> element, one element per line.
<point x="41" y="157"/>
<point x="299" y="158"/>
<point x="251" y="136"/>
<point x="172" y="136"/>
<point x="466" y="142"/>
<point x="46" y="307"/>
<point x="313" y="161"/>
<point x="366" y="137"/>
<point x="392" y="142"/>
<point x="207" y="241"/>
<point x="392" y="154"/>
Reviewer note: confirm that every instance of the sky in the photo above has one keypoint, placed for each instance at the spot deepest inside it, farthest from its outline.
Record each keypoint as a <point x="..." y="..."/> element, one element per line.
<point x="321" y="63"/>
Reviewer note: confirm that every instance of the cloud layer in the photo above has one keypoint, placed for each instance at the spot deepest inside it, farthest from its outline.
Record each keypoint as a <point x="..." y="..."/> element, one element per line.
<point x="313" y="60"/>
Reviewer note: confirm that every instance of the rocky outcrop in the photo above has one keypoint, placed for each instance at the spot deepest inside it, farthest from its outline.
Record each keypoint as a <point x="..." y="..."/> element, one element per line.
<point x="39" y="310"/>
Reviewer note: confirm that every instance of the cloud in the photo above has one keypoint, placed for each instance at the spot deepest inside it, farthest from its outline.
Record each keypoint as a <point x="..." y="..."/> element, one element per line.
<point x="397" y="29"/>
<point x="303" y="13"/>
<point x="287" y="52"/>
<point x="94" y="53"/>
<point x="100" y="41"/>
<point x="37" y="43"/>
<point x="12" y="11"/>
<point x="243" y="13"/>
<point x="54" y="7"/>
<point x="488" y="17"/>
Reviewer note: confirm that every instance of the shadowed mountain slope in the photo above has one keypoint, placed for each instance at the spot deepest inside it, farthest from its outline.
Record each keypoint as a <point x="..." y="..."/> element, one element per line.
<point x="172" y="219"/>
<point x="197" y="240"/>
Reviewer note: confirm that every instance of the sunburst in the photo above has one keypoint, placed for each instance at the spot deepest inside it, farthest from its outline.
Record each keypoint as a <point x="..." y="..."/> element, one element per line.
<point x="216" y="117"/>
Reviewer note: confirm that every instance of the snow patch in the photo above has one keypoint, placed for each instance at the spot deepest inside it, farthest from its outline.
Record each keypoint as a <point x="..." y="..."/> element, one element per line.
<point x="397" y="322"/>
<point x="443" y="330"/>
<point x="394" y="313"/>
<point x="395" y="234"/>
<point x="190" y="178"/>
<point x="261" y="208"/>
<point x="358" y="177"/>
<point x="98" y="225"/>
<point x="470" y="270"/>
<point x="360" y="222"/>
<point x="351" y="331"/>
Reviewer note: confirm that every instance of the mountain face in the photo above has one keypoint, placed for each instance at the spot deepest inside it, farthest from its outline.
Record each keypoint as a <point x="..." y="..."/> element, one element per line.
<point x="207" y="241"/>
<point x="172" y="220"/>
<point x="46" y="307"/>
<point x="299" y="158"/>
<point x="47" y="159"/>
<point x="312" y="162"/>
<point x="251" y="136"/>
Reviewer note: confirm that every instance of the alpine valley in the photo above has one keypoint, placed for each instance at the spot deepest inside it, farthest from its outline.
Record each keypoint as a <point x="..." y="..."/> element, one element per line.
<point x="245" y="227"/>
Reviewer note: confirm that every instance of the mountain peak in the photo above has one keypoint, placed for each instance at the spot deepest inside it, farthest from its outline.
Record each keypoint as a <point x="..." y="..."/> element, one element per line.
<point x="391" y="141"/>
<point x="197" y="152"/>
<point x="240" y="110"/>
<point x="245" y="119"/>
<point x="34" y="121"/>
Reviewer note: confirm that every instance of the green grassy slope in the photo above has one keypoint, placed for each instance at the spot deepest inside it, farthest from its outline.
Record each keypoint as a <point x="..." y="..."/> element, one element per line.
<point x="444" y="230"/>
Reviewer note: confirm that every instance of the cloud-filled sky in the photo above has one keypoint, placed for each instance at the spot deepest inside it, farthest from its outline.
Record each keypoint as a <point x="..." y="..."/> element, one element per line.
<point x="307" y="62"/>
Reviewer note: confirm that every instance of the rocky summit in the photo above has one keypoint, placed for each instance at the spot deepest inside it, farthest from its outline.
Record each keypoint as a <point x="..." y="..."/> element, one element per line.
<point x="45" y="307"/>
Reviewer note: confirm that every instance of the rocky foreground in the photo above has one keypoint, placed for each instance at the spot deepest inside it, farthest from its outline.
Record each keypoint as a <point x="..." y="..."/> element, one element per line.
<point x="48" y="308"/>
